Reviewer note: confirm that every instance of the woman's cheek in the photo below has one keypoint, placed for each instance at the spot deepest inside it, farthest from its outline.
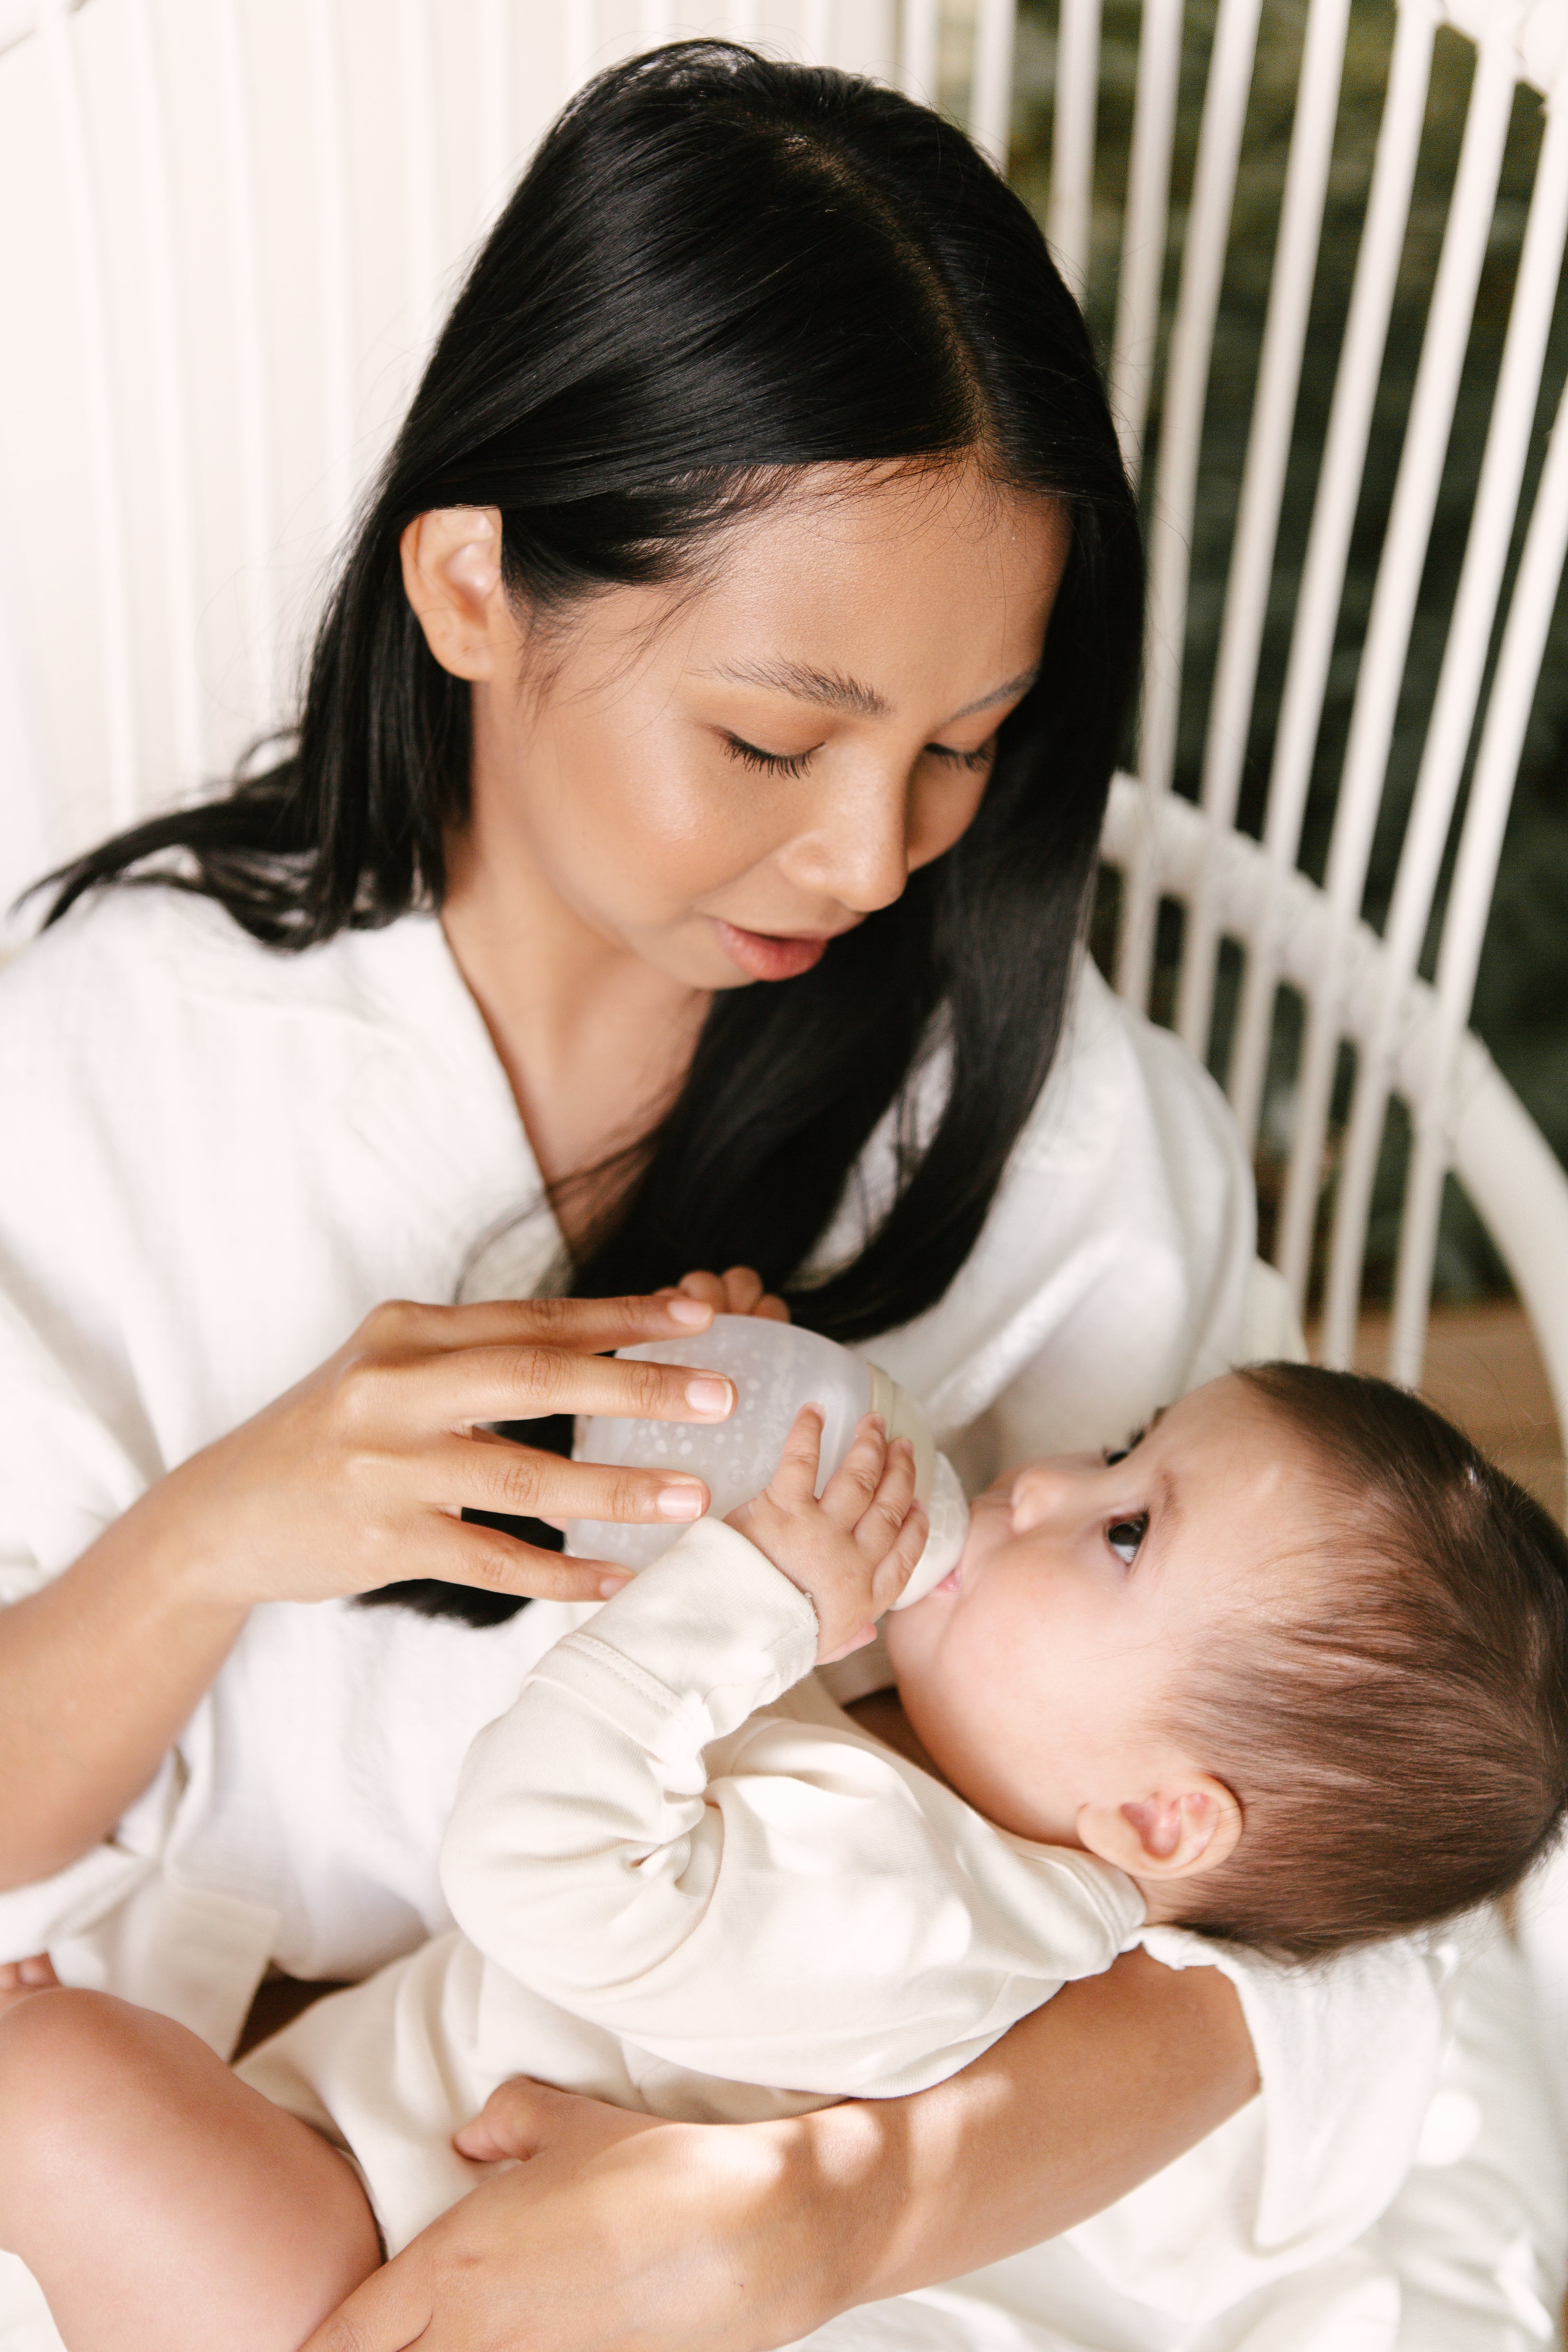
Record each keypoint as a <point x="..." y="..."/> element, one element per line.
<point x="942" y="814"/>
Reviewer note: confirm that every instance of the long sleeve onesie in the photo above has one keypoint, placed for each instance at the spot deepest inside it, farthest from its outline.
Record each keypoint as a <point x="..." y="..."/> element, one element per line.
<point x="685" y="1882"/>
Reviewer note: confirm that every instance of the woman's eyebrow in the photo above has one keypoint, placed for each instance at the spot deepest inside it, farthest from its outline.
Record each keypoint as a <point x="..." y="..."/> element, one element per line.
<point x="1024" y="679"/>
<point x="829" y="687"/>
<point x="834" y="691"/>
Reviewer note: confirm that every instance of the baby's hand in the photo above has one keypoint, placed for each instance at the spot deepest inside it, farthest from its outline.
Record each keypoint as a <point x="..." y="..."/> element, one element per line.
<point x="852" y="1551"/>
<point x="738" y="1292"/>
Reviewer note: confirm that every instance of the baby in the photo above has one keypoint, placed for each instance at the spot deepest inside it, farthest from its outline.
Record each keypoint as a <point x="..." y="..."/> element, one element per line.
<point x="1293" y="1668"/>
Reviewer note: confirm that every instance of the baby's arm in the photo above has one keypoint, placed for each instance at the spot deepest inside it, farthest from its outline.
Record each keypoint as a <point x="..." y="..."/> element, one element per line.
<point x="774" y="1900"/>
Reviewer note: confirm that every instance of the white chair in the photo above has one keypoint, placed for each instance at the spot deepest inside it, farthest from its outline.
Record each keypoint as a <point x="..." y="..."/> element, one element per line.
<point x="241" y="218"/>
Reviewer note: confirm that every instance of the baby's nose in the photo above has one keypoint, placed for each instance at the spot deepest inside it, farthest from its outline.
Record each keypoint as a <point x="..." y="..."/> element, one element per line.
<point x="1041" y="1489"/>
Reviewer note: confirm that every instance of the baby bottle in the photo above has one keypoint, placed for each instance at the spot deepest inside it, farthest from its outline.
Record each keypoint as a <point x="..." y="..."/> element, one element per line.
<point x="776" y="1367"/>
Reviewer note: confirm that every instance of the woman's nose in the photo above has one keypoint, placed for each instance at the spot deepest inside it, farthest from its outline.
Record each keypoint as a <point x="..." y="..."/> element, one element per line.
<point x="856" y="851"/>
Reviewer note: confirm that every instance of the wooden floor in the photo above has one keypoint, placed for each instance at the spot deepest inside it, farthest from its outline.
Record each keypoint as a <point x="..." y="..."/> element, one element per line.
<point x="1484" y="1371"/>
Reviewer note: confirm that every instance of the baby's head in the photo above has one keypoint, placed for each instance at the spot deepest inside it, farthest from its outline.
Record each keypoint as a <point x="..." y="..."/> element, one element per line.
<point x="1297" y="1661"/>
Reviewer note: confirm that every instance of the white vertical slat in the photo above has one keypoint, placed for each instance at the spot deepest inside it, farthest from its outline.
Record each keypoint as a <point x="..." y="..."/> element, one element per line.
<point x="1453" y="715"/>
<point x="817" y="34"/>
<point x="421" y="202"/>
<point x="246" y="317"/>
<point x="918" y="51"/>
<point x="582" y="42"/>
<point x="1381" y="668"/>
<point x="991" y="89"/>
<point x="172" y="425"/>
<point x="498" y="117"/>
<point x="742" y="20"/>
<point x="1475" y="872"/>
<point x="1070" y="213"/>
<point x="656" y="22"/>
<point x="1333" y="517"/>
<point x="335" y="275"/>
<point x="109" y="549"/>
<point x="1181" y="435"/>
<point x="1263" y="479"/>
<point x="1146" y="224"/>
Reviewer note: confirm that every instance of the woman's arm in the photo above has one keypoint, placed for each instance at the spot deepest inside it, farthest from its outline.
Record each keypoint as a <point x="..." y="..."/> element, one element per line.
<point x="620" y="2234"/>
<point x="354" y="1479"/>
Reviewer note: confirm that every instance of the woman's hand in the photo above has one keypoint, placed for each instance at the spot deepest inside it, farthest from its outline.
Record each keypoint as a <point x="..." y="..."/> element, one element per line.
<point x="620" y="2234"/>
<point x="356" y="1478"/>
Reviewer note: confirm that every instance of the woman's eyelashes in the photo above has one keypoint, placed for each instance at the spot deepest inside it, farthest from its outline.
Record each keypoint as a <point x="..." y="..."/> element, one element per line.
<point x="973" y="761"/>
<point x="794" y="763"/>
<point x="1126" y="1536"/>
<point x="769" y="763"/>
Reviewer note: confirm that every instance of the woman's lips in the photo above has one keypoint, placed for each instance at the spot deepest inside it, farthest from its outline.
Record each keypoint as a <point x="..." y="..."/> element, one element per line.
<point x="765" y="956"/>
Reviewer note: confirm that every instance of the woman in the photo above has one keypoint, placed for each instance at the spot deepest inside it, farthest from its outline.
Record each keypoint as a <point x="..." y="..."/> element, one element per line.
<point x="688" y="841"/>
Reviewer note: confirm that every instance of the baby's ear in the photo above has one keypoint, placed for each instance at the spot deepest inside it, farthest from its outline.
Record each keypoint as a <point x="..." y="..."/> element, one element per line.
<point x="1190" y="1824"/>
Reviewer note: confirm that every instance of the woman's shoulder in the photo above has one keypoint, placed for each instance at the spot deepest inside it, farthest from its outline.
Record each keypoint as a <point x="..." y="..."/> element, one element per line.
<point x="1120" y="1085"/>
<point x="128" y="954"/>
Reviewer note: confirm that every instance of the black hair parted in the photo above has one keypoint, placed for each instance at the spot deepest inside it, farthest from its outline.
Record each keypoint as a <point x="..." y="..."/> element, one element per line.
<point x="717" y="271"/>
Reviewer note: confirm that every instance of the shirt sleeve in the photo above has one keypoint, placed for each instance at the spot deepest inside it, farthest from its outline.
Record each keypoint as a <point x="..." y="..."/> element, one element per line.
<point x="1348" y="2053"/>
<point x="758" y="1897"/>
<point x="64" y="1472"/>
<point x="1138" y="1153"/>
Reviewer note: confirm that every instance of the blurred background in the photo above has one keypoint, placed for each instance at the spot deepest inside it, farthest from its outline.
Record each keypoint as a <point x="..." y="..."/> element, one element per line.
<point x="1482" y="1364"/>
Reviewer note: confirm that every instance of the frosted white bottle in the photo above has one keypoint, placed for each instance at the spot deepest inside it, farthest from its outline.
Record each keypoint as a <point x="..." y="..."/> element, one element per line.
<point x="776" y="1369"/>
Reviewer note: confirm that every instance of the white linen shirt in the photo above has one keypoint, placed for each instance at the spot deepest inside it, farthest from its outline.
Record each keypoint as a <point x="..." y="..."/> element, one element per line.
<point x="223" y="1156"/>
<point x="220" y="1158"/>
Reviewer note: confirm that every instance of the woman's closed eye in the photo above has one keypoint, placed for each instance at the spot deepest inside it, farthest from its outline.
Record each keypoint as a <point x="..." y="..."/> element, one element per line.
<point x="1125" y="1536"/>
<point x="768" y="763"/>
<point x="973" y="761"/>
<point x="794" y="763"/>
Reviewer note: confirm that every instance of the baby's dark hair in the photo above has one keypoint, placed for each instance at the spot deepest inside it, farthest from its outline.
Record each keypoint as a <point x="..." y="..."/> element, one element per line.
<point x="1399" y="1750"/>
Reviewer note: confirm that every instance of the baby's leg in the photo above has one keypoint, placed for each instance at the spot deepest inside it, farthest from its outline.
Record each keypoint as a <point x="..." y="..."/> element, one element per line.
<point x="162" y="2205"/>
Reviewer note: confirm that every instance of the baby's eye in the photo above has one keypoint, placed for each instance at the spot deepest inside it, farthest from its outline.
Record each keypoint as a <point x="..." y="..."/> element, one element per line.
<point x="1112" y="1454"/>
<point x="1124" y="1535"/>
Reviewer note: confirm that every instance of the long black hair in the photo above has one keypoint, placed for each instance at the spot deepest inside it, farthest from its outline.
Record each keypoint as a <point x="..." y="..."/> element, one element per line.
<point x="718" y="270"/>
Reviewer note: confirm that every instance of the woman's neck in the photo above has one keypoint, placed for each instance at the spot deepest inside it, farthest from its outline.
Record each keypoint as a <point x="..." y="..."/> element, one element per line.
<point x="593" y="1041"/>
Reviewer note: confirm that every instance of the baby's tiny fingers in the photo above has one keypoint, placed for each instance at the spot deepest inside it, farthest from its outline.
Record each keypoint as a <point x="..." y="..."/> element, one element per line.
<point x="31" y="1975"/>
<point x="793" y="1483"/>
<point x="893" y="1573"/>
<point x="888" y="1508"/>
<point x="849" y="1490"/>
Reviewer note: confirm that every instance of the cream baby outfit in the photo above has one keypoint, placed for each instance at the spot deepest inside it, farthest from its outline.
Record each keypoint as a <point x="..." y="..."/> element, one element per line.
<point x="687" y="1884"/>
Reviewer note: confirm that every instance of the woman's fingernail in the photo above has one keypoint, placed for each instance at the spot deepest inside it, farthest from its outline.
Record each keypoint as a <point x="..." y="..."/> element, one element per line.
<point x="709" y="1396"/>
<point x="689" y="1311"/>
<point x="610" y="1585"/>
<point x="680" y="1503"/>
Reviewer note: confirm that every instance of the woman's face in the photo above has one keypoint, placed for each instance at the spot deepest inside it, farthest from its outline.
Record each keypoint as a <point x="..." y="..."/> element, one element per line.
<point x="721" y="777"/>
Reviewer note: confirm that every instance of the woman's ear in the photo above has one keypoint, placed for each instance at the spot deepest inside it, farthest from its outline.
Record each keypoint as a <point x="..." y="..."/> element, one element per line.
<point x="451" y="576"/>
<point x="1191" y="1824"/>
